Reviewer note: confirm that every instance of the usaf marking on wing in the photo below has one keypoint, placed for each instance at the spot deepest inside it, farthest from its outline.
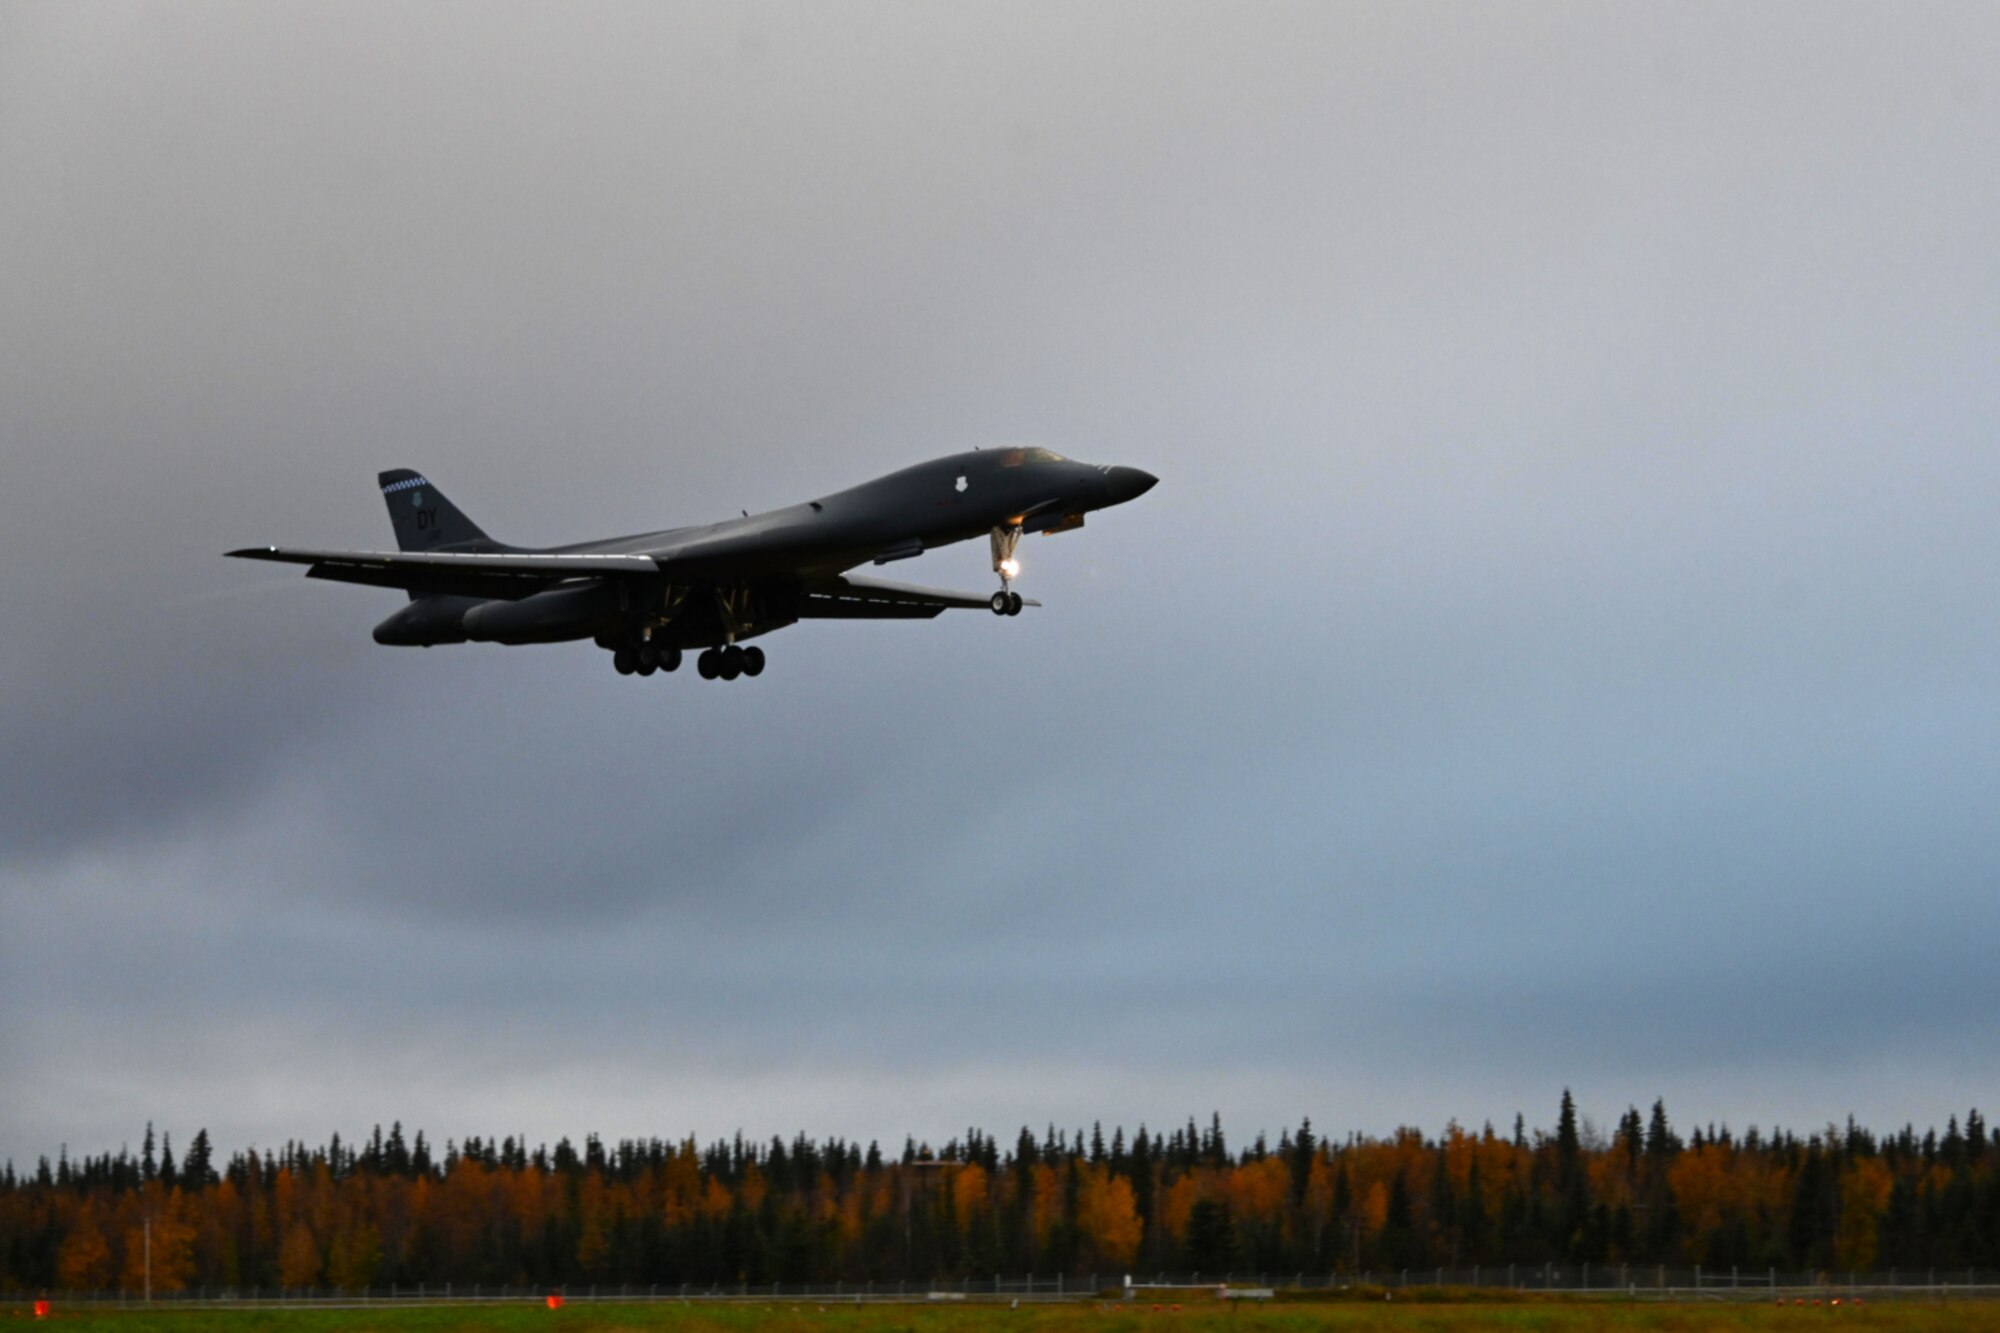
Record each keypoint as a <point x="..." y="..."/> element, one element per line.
<point x="648" y="598"/>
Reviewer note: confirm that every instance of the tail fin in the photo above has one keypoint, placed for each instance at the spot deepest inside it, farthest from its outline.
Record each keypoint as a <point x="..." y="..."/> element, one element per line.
<point x="424" y="520"/>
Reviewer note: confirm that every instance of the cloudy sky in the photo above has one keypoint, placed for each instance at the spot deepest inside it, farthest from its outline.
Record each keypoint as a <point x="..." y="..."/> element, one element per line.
<point x="1562" y="648"/>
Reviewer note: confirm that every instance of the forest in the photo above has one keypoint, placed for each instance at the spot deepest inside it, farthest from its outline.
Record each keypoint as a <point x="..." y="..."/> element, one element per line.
<point x="395" y="1210"/>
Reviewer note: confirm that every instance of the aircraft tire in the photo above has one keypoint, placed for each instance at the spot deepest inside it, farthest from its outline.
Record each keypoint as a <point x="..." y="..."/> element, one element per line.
<point x="1000" y="602"/>
<point x="707" y="664"/>
<point x="624" y="662"/>
<point x="731" y="665"/>
<point x="1014" y="603"/>
<point x="648" y="655"/>
<point x="753" y="661"/>
<point x="670" y="659"/>
<point x="647" y="668"/>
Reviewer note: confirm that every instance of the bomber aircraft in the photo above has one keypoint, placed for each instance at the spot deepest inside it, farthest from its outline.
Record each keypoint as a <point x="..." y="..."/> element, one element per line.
<point x="647" y="598"/>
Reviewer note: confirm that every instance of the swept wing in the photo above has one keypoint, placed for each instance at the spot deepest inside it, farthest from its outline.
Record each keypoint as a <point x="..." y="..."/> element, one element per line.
<point x="507" y="574"/>
<point x="853" y="597"/>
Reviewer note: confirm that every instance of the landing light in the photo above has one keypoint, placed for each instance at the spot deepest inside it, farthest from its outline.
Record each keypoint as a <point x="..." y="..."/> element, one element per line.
<point x="1011" y="568"/>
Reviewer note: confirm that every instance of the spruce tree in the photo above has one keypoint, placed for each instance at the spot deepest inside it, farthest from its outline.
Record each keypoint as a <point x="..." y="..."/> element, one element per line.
<point x="1304" y="1148"/>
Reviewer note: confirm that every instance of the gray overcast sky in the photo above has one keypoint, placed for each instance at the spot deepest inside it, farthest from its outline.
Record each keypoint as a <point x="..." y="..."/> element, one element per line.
<point x="1561" y="650"/>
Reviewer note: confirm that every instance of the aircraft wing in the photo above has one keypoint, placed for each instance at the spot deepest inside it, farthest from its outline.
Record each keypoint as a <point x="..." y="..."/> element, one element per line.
<point x="852" y="597"/>
<point x="515" y="574"/>
<point x="506" y="574"/>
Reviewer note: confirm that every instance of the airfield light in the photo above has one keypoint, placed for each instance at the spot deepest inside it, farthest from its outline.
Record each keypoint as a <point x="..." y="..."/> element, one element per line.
<point x="1011" y="568"/>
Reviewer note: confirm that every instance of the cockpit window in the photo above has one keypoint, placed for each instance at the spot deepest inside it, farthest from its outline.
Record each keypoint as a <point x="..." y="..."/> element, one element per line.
<point x="1016" y="457"/>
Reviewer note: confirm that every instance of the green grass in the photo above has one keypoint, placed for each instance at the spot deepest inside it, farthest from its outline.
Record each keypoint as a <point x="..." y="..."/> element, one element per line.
<point x="1111" y="1317"/>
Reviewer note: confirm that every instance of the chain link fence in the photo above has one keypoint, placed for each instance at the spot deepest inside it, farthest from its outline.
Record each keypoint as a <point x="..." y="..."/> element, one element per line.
<point x="1631" y="1281"/>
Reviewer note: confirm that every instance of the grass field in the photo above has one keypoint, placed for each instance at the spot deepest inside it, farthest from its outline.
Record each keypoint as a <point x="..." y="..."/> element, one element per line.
<point x="795" y="1317"/>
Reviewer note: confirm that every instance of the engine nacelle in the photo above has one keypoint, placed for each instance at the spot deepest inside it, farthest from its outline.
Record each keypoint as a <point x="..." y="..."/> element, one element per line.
<point x="426" y="621"/>
<point x="555" y="616"/>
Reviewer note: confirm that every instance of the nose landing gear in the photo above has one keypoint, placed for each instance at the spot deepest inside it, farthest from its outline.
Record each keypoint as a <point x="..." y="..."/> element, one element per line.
<point x="1006" y="602"/>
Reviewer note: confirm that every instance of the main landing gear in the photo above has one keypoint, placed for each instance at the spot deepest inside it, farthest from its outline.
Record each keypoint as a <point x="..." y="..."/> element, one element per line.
<point x="729" y="663"/>
<point x="713" y="663"/>
<point x="733" y="606"/>
<point x="645" y="657"/>
<point x="1006" y="602"/>
<point x="644" y="650"/>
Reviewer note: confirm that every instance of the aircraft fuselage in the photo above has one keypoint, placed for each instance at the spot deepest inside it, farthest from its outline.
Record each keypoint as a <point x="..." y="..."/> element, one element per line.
<point x="648" y="596"/>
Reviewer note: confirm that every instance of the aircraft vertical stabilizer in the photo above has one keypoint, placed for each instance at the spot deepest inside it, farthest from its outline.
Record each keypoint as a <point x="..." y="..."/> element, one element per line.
<point x="424" y="520"/>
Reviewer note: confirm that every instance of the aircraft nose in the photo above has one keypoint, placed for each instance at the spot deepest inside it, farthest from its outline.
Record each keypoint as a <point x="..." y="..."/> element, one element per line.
<point x="1129" y="483"/>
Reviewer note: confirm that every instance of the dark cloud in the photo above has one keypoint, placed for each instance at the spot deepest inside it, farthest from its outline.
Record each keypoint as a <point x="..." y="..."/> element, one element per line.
<point x="1558" y="652"/>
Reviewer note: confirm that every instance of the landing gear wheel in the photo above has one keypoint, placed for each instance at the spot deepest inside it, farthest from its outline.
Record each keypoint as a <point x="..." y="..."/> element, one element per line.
<point x="732" y="662"/>
<point x="1014" y="603"/>
<point x="670" y="659"/>
<point x="648" y="655"/>
<point x="624" y="661"/>
<point x="753" y="661"/>
<point x="647" y="668"/>
<point x="708" y="664"/>
<point x="1000" y="601"/>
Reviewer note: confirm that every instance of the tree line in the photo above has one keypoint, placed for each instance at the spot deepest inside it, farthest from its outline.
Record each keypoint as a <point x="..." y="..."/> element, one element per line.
<point x="394" y="1210"/>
